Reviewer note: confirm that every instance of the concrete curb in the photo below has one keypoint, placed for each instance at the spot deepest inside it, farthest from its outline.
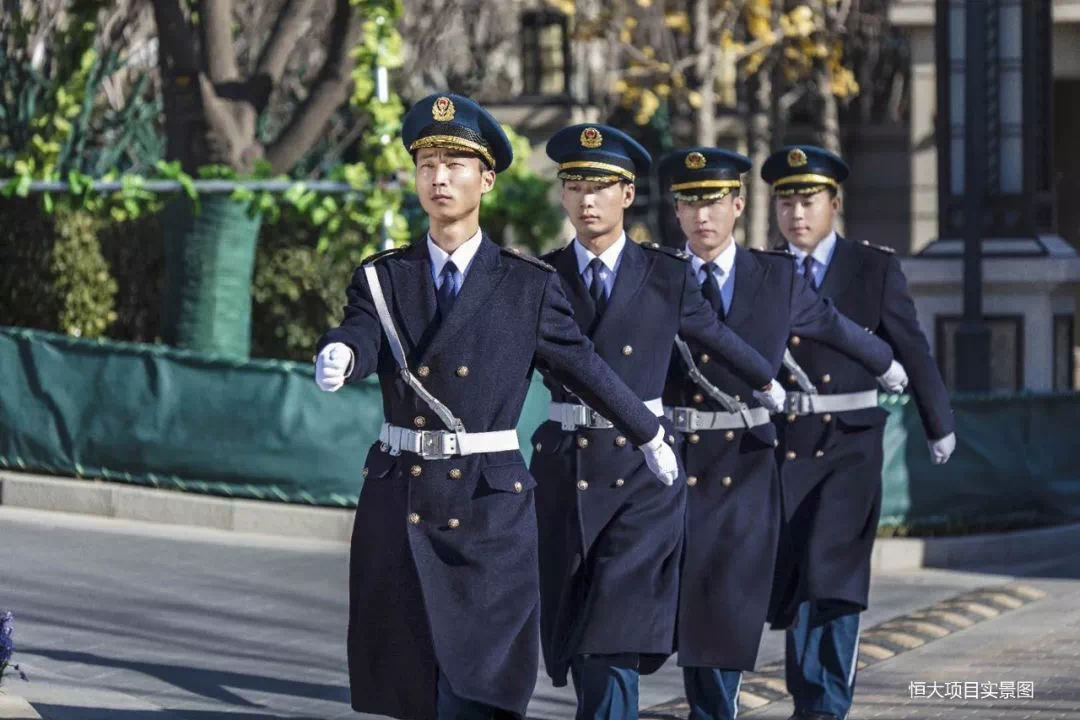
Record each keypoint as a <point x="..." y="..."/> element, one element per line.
<point x="954" y="553"/>
<point x="13" y="707"/>
<point x="107" y="499"/>
<point x="116" y="500"/>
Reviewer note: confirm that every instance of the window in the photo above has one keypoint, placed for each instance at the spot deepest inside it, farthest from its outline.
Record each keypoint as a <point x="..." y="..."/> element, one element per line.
<point x="1006" y="350"/>
<point x="1063" y="352"/>
<point x="545" y="53"/>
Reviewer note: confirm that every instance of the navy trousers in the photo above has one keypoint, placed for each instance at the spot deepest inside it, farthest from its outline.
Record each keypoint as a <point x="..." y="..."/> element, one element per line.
<point x="451" y="707"/>
<point x="821" y="657"/>
<point x="713" y="693"/>
<point x="606" y="686"/>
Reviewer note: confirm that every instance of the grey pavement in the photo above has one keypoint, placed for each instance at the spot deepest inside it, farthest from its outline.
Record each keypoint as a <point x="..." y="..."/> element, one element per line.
<point x="129" y="620"/>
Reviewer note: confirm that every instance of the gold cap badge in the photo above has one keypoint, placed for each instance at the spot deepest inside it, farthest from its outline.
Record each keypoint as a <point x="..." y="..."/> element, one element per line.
<point x="443" y="109"/>
<point x="796" y="158"/>
<point x="695" y="161"/>
<point x="591" y="138"/>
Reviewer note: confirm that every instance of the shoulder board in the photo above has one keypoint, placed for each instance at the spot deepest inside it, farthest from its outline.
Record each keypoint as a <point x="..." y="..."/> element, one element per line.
<point x="879" y="248"/>
<point x="673" y="252"/>
<point x="527" y="258"/>
<point x="380" y="255"/>
<point x="781" y="253"/>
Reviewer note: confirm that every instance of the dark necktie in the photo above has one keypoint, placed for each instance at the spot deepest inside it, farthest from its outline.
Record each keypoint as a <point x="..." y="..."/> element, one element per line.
<point x="808" y="272"/>
<point x="596" y="287"/>
<point x="711" y="289"/>
<point x="448" y="291"/>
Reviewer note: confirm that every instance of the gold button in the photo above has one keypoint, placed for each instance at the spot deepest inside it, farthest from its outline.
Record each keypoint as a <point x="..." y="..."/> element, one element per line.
<point x="365" y="472"/>
<point x="619" y="482"/>
<point x="699" y="398"/>
<point x="419" y="421"/>
<point x="729" y="435"/>
<point x="416" y="470"/>
<point x="792" y="417"/>
<point x="453" y="523"/>
<point x="414" y="519"/>
<point x="671" y="439"/>
<point x="694" y="439"/>
<point x="819" y="453"/>
<point x="704" y="357"/>
<point x="627" y="350"/>
<point x="791" y="455"/>
<point x="692" y="480"/>
<point x="463" y="371"/>
<point x="539" y="447"/>
<point x="826" y="418"/>
<point x="423" y="371"/>
<point x="796" y="340"/>
<point x="455" y="474"/>
<point x="582" y="485"/>
<point x="726" y="481"/>
<point x="776" y="442"/>
<point x="583" y="442"/>
<point x="620" y="441"/>
<point x="738" y="399"/>
<point x="792" y="379"/>
<point x="518" y="487"/>
<point x="826" y="378"/>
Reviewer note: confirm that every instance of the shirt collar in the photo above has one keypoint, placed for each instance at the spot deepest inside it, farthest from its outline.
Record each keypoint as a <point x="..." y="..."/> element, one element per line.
<point x="822" y="253"/>
<point x="463" y="256"/>
<point x="725" y="260"/>
<point x="609" y="257"/>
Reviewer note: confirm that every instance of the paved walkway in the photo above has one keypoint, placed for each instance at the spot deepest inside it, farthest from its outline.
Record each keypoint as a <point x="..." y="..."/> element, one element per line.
<point x="117" y="620"/>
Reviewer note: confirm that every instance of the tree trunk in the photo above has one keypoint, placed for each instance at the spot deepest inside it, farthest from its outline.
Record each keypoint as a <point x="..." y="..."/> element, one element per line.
<point x="828" y="129"/>
<point x="705" y="130"/>
<point x="759" y="146"/>
<point x="210" y="118"/>
<point x="209" y="259"/>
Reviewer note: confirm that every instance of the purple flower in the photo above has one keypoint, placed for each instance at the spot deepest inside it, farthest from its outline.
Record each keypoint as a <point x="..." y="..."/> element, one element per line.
<point x="7" y="645"/>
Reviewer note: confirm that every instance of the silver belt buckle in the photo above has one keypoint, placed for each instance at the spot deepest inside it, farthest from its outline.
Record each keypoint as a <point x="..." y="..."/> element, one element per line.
<point x="683" y="419"/>
<point x="437" y="444"/>
<point x="597" y="421"/>
<point x="798" y="403"/>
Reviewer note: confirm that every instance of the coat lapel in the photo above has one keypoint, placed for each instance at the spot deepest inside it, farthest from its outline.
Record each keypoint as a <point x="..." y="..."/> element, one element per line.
<point x="842" y="269"/>
<point x="749" y="276"/>
<point x="633" y="270"/>
<point x="410" y="277"/>
<point x="483" y="278"/>
<point x="565" y="263"/>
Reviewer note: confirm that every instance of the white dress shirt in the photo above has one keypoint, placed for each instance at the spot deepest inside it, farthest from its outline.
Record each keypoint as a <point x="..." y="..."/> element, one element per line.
<point x="724" y="272"/>
<point x="611" y="258"/>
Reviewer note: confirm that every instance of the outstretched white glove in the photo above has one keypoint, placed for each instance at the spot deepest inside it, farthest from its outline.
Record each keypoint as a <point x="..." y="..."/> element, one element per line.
<point x="941" y="450"/>
<point x="661" y="458"/>
<point x="772" y="398"/>
<point x="332" y="365"/>
<point x="895" y="379"/>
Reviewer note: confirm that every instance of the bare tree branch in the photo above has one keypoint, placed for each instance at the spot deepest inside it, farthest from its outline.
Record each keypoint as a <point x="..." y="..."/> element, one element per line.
<point x="292" y="21"/>
<point x="330" y="91"/>
<point x="219" y="55"/>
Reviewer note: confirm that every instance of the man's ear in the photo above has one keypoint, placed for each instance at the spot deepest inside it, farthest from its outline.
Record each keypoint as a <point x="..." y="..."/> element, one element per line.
<point x="739" y="203"/>
<point x="487" y="181"/>
<point x="629" y="193"/>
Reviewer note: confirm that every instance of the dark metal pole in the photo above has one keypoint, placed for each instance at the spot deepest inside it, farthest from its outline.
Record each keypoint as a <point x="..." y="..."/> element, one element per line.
<point x="973" y="336"/>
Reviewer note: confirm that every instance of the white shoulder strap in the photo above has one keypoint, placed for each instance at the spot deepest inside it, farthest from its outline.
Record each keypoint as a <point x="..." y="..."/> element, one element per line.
<point x="800" y="375"/>
<point x="730" y="404"/>
<point x="398" y="351"/>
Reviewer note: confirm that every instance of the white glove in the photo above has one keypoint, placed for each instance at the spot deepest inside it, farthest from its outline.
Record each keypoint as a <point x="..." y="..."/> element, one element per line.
<point x="332" y="366"/>
<point x="772" y="398"/>
<point x="661" y="458"/>
<point x="941" y="450"/>
<point x="895" y="379"/>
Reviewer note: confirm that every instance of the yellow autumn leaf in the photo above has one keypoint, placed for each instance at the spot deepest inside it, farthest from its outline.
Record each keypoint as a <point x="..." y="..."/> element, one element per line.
<point x="663" y="90"/>
<point x="649" y="51"/>
<point x="677" y="21"/>
<point x="694" y="98"/>
<point x="678" y="80"/>
<point x="630" y="22"/>
<point x="624" y="36"/>
<point x="645" y="3"/>
<point x="620" y="86"/>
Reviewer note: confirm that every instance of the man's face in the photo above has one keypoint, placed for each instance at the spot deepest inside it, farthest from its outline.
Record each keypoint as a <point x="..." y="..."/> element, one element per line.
<point x="709" y="223"/>
<point x="805" y="220"/>
<point x="450" y="183"/>
<point x="596" y="209"/>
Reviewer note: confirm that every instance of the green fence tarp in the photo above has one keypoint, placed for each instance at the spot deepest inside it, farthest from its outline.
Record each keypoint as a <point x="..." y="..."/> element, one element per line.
<point x="157" y="416"/>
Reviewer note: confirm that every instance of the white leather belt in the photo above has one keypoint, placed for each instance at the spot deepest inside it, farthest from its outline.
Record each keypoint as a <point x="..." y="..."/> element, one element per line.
<point x="801" y="403"/>
<point x="690" y="420"/>
<point x="572" y="416"/>
<point x="442" y="444"/>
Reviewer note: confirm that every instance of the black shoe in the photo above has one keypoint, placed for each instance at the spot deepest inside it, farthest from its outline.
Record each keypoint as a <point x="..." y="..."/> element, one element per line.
<point x="812" y="716"/>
